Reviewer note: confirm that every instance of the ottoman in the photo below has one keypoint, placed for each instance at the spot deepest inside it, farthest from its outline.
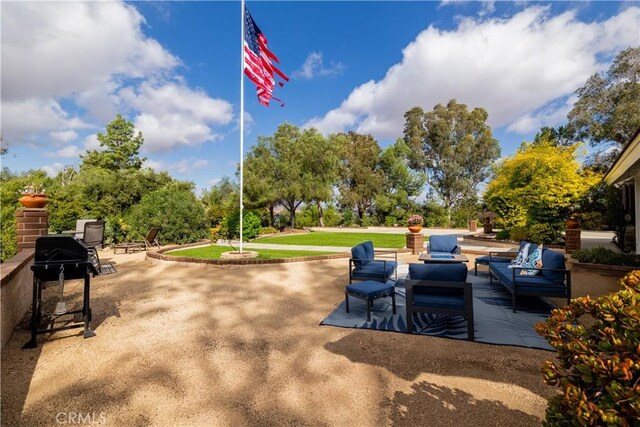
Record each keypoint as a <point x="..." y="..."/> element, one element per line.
<point x="369" y="291"/>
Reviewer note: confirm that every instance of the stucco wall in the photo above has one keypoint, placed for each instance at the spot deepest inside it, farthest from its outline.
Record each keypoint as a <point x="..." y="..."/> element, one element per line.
<point x="17" y="289"/>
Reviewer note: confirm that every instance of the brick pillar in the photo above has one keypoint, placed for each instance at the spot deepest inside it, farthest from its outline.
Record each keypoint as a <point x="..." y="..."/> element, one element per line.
<point x="572" y="237"/>
<point x="31" y="224"/>
<point x="415" y="242"/>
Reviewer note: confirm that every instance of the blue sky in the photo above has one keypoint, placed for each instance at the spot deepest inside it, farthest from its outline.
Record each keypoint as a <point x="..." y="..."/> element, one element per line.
<point x="173" y="69"/>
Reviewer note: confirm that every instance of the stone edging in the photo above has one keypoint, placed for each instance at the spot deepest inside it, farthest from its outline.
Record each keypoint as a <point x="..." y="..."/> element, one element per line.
<point x="11" y="267"/>
<point x="588" y="267"/>
<point x="160" y="255"/>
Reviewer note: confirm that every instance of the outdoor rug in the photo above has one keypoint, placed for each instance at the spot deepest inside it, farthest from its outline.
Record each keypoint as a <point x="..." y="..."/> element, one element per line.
<point x="107" y="268"/>
<point x="495" y="322"/>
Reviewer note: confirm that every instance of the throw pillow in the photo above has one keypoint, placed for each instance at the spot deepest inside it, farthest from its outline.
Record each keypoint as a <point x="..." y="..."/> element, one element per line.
<point x="522" y="255"/>
<point x="534" y="260"/>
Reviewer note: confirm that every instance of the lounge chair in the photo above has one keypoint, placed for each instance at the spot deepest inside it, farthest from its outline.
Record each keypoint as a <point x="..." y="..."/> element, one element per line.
<point x="363" y="264"/>
<point x="150" y="240"/>
<point x="79" y="233"/>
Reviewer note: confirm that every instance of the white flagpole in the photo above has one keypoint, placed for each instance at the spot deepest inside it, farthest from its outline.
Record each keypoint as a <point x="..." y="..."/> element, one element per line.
<point x="241" y="114"/>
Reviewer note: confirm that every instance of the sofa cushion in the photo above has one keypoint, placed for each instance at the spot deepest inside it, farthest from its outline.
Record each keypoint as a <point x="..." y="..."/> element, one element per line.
<point x="370" y="289"/>
<point x="446" y="244"/>
<point x="555" y="260"/>
<point x="505" y="276"/>
<point x="375" y="270"/>
<point x="368" y="249"/>
<point x="453" y="302"/>
<point x="359" y="255"/>
<point x="438" y="272"/>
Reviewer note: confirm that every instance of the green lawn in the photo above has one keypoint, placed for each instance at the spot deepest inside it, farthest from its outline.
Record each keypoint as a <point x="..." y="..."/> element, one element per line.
<point x="214" y="252"/>
<point x="323" y="238"/>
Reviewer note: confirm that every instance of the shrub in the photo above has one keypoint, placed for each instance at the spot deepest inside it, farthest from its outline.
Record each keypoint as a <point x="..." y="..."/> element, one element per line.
<point x="546" y="233"/>
<point x="115" y="230"/>
<point x="347" y="218"/>
<point x="599" y="362"/>
<point x="390" y="221"/>
<point x="592" y="220"/>
<point x="230" y="227"/>
<point x="519" y="233"/>
<point x="175" y="210"/>
<point x="366" y="221"/>
<point x="502" y="235"/>
<point x="606" y="256"/>
<point x="266" y="230"/>
<point x="215" y="233"/>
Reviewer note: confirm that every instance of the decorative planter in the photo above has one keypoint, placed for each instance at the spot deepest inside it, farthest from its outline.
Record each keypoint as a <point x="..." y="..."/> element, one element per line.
<point x="572" y="224"/>
<point x="34" y="201"/>
<point x="415" y="228"/>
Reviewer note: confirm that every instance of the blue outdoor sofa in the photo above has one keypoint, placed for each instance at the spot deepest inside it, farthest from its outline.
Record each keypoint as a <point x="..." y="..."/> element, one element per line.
<point x="553" y="279"/>
<point x="363" y="264"/>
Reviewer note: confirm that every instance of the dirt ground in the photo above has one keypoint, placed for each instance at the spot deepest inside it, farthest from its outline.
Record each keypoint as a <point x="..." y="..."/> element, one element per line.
<point x="194" y="345"/>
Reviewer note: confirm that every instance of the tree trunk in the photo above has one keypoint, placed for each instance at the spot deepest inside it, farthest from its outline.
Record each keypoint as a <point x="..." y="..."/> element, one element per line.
<point x="272" y="216"/>
<point x="320" y="214"/>
<point x="360" y="212"/>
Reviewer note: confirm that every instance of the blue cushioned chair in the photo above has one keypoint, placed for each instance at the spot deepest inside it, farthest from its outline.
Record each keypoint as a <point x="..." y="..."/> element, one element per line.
<point x="363" y="264"/>
<point x="447" y="244"/>
<point x="369" y="291"/>
<point x="439" y="289"/>
<point x="499" y="257"/>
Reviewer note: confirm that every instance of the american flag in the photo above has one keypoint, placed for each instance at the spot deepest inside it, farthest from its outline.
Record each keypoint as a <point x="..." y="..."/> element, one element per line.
<point x="258" y="65"/>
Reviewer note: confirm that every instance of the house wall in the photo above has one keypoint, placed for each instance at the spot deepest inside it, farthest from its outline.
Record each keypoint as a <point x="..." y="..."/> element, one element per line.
<point x="636" y="179"/>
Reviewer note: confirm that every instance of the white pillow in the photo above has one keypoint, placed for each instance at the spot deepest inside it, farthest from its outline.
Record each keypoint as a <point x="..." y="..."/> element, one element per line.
<point x="522" y="255"/>
<point x="534" y="260"/>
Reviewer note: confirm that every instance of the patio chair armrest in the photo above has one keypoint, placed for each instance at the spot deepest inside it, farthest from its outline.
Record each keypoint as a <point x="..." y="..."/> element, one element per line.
<point x="503" y="254"/>
<point x="386" y="252"/>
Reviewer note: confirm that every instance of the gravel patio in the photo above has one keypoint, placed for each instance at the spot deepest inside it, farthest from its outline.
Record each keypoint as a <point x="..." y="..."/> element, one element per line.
<point x="181" y="344"/>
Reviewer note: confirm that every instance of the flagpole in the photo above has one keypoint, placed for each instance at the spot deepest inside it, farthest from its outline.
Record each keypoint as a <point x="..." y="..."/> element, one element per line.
<point x="241" y="114"/>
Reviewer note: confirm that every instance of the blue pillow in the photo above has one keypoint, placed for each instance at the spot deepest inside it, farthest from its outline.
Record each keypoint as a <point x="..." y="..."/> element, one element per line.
<point x="522" y="256"/>
<point x="358" y="254"/>
<point x="553" y="259"/>
<point x="368" y="250"/>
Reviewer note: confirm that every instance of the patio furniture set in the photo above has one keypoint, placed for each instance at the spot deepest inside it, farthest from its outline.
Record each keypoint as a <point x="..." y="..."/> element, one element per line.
<point x="439" y="285"/>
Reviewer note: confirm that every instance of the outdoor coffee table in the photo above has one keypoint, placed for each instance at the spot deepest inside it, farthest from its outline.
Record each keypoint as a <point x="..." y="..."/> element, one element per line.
<point x="428" y="258"/>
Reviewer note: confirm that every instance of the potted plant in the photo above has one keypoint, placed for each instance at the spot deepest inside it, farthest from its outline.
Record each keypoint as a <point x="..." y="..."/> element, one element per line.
<point x="415" y="223"/>
<point x="33" y="197"/>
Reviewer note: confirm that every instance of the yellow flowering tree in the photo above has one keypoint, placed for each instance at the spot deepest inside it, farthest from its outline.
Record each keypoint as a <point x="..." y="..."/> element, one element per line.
<point x="536" y="187"/>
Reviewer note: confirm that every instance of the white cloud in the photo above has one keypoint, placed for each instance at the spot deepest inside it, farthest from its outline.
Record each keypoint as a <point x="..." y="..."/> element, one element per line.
<point x="550" y="115"/>
<point x="22" y="119"/>
<point x="174" y="115"/>
<point x="510" y="66"/>
<point x="183" y="167"/>
<point x="87" y="53"/>
<point x="52" y="49"/>
<point x="63" y="136"/>
<point x="313" y="66"/>
<point x="52" y="170"/>
<point x="91" y="143"/>
<point x="70" y="151"/>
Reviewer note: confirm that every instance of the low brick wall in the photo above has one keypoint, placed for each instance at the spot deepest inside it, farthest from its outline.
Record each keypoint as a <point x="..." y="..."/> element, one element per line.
<point x="17" y="289"/>
<point x="604" y="269"/>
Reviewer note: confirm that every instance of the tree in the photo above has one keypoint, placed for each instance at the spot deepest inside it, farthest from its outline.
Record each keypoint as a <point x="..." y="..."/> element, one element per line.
<point x="453" y="146"/>
<point x="608" y="106"/>
<point x="320" y="169"/>
<point x="260" y="188"/>
<point x="174" y="209"/>
<point x="361" y="177"/>
<point x="538" y="185"/>
<point x="121" y="147"/>
<point x="221" y="200"/>
<point x="284" y="162"/>
<point x="401" y="183"/>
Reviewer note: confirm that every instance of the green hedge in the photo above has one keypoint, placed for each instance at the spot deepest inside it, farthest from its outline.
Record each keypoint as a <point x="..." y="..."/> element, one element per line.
<point x="606" y="256"/>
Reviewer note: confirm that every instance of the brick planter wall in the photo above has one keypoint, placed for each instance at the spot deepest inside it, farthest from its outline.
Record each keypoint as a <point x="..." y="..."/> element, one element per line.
<point x="572" y="239"/>
<point x="31" y="224"/>
<point x="415" y="242"/>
